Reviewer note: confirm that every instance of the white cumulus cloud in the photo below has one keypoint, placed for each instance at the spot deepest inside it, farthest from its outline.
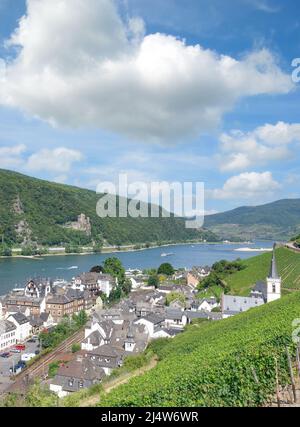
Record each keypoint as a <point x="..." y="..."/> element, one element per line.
<point x="248" y="185"/>
<point x="11" y="157"/>
<point x="242" y="150"/>
<point x="57" y="160"/>
<point x="79" y="64"/>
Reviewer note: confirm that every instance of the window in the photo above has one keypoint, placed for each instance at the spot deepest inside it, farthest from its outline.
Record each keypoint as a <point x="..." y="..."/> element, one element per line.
<point x="274" y="289"/>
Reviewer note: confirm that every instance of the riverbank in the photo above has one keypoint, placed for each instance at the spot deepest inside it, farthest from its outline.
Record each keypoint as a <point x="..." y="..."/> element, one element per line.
<point x="54" y="252"/>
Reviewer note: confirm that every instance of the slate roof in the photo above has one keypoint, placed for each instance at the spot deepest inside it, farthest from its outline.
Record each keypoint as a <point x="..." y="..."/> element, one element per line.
<point x="6" y="326"/>
<point x="172" y="332"/>
<point x="93" y="278"/>
<point x="83" y="372"/>
<point x="95" y="339"/>
<point x="173" y="314"/>
<point x="20" y="318"/>
<point x="44" y="316"/>
<point x="236" y="304"/>
<point x="273" y="274"/>
<point x="106" y="351"/>
<point x="260" y="288"/>
<point x="154" y="318"/>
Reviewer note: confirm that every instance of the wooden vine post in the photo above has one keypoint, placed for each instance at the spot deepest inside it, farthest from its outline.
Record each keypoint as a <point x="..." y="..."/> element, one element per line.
<point x="298" y="359"/>
<point x="277" y="383"/>
<point x="291" y="374"/>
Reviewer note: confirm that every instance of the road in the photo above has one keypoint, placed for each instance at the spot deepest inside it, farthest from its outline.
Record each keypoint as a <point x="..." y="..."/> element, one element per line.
<point x="291" y="246"/>
<point x="40" y="368"/>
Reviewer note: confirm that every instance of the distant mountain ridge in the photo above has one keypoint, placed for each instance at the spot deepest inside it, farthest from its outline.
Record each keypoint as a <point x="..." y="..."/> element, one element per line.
<point x="277" y="220"/>
<point x="50" y="214"/>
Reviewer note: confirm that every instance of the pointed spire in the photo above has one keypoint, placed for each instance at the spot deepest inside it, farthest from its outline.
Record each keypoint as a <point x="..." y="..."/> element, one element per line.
<point x="273" y="269"/>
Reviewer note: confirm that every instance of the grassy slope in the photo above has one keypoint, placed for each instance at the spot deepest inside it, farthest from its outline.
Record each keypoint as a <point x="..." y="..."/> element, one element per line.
<point x="212" y="364"/>
<point x="48" y="206"/>
<point x="257" y="268"/>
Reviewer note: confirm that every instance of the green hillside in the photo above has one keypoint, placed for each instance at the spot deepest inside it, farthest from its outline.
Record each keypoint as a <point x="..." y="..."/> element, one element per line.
<point x="38" y="211"/>
<point x="257" y="269"/>
<point x="224" y="363"/>
<point x="278" y="220"/>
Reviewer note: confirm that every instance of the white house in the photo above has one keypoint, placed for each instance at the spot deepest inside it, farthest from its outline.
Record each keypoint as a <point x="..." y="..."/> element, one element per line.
<point x="23" y="326"/>
<point x="7" y="334"/>
<point x="175" y="319"/>
<point x="153" y="322"/>
<point x="95" y="282"/>
<point x="205" y="304"/>
<point x="97" y="333"/>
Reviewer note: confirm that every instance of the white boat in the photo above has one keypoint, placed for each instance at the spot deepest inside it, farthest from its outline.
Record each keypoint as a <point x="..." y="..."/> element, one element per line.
<point x="254" y="250"/>
<point x="164" y="255"/>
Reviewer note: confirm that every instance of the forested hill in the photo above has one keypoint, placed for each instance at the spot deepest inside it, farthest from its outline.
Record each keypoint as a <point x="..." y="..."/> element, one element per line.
<point x="278" y="220"/>
<point x="32" y="210"/>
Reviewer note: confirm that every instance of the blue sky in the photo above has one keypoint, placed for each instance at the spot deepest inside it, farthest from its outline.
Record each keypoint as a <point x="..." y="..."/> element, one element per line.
<point x="86" y="97"/>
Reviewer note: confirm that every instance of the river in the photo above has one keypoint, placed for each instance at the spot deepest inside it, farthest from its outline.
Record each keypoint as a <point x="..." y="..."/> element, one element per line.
<point x="14" y="272"/>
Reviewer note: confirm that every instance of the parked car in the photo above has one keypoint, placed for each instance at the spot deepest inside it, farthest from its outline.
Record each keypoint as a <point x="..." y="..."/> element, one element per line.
<point x="32" y="340"/>
<point x="16" y="369"/>
<point x="5" y="355"/>
<point x="27" y="357"/>
<point x="20" y="347"/>
<point x="15" y="350"/>
<point x="22" y="364"/>
<point x="37" y="352"/>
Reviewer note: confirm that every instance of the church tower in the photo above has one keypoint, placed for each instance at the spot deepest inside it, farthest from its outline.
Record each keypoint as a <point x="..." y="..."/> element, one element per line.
<point x="273" y="281"/>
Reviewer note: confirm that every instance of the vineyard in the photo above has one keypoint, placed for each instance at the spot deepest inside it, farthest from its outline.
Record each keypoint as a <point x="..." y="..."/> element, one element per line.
<point x="226" y="363"/>
<point x="257" y="268"/>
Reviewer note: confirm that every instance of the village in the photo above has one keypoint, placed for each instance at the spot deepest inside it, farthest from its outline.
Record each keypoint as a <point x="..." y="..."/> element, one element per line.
<point x="111" y="331"/>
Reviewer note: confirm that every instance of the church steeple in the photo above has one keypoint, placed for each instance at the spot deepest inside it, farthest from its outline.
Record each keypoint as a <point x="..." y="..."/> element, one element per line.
<point x="273" y="268"/>
<point x="273" y="280"/>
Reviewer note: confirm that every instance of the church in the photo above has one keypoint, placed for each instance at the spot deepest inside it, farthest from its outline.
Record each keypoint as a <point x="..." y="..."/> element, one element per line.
<point x="262" y="293"/>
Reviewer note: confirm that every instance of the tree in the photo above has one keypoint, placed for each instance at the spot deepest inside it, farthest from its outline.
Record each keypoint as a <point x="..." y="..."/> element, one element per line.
<point x="166" y="269"/>
<point x="114" y="267"/>
<point x="28" y="251"/>
<point x="40" y="396"/>
<point x="5" y="250"/>
<point x="116" y="294"/>
<point x="173" y="296"/>
<point x="76" y="347"/>
<point x="153" y="281"/>
<point x="72" y="249"/>
<point x="97" y="269"/>
<point x="97" y="248"/>
<point x="81" y="318"/>
<point x="126" y="287"/>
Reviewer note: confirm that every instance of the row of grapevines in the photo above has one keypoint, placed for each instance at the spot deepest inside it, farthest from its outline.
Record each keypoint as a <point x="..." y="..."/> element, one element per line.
<point x="225" y="363"/>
